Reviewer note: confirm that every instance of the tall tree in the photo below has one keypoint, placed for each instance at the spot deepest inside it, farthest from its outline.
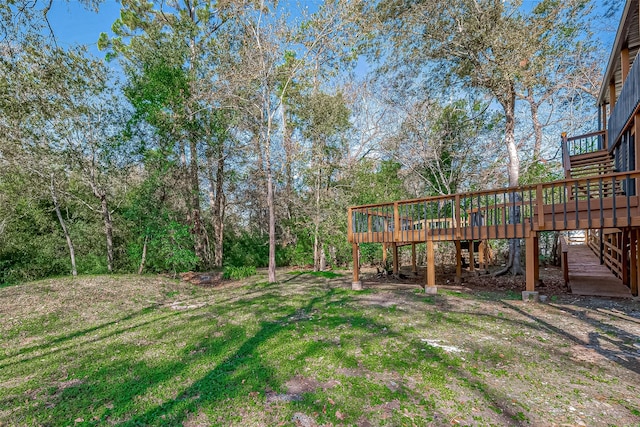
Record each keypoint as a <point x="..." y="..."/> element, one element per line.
<point x="268" y="43"/>
<point x="484" y="44"/>
<point x="171" y="53"/>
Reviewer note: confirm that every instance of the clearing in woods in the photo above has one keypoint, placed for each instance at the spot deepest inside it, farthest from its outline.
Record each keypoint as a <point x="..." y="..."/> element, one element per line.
<point x="310" y="351"/>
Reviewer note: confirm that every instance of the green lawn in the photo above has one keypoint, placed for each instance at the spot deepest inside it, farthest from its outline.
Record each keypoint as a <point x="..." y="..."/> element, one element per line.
<point x="132" y="350"/>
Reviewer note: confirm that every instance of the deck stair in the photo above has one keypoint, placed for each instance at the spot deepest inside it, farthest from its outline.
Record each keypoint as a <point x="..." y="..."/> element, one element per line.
<point x="593" y="164"/>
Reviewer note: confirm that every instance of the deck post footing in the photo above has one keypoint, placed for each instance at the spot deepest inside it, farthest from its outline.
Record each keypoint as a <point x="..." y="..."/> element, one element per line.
<point x="532" y="296"/>
<point x="431" y="290"/>
<point x="356" y="286"/>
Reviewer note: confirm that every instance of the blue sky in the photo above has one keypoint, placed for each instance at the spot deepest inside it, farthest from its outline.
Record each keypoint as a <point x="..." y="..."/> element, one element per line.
<point x="73" y="24"/>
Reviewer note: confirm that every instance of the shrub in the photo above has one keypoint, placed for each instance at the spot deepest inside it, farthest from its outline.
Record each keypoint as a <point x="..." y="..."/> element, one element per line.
<point x="237" y="273"/>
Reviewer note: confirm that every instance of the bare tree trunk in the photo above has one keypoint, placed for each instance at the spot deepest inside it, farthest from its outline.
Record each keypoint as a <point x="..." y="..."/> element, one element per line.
<point x="272" y="217"/>
<point x="199" y="231"/>
<point x="143" y="260"/>
<point x="537" y="126"/>
<point x="323" y="259"/>
<point x="513" y="263"/>
<point x="216" y="198"/>
<point x="56" y="205"/>
<point x="108" y="229"/>
<point x="316" y="231"/>
<point x="101" y="194"/>
<point x="288" y="158"/>
<point x="510" y="140"/>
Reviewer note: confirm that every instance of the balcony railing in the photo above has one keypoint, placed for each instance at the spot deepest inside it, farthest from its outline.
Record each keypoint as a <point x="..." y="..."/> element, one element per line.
<point x="515" y="212"/>
<point x="581" y="144"/>
<point x="626" y="104"/>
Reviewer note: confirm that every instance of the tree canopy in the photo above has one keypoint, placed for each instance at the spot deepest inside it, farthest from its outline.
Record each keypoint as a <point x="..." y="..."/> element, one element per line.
<point x="237" y="133"/>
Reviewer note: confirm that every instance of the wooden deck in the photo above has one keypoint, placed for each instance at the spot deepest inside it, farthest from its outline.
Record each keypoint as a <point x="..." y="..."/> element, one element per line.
<point x="598" y="202"/>
<point x="519" y="212"/>
<point x="588" y="277"/>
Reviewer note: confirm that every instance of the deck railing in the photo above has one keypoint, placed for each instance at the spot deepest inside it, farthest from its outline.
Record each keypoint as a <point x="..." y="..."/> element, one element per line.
<point x="514" y="212"/>
<point x="582" y="144"/>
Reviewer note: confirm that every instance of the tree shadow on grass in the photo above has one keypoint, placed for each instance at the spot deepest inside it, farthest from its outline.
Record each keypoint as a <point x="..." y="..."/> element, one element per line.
<point x="66" y="340"/>
<point x="242" y="372"/>
<point x="625" y="355"/>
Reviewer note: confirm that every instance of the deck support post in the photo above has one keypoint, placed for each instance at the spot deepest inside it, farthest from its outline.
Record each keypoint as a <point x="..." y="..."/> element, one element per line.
<point x="601" y="246"/>
<point x="458" y="262"/>
<point x="394" y="253"/>
<point x="625" y="64"/>
<point x="532" y="264"/>
<point x="612" y="98"/>
<point x="536" y="264"/>
<point x="430" y="273"/>
<point x="414" y="266"/>
<point x="472" y="262"/>
<point x="356" y="285"/>
<point x="634" y="261"/>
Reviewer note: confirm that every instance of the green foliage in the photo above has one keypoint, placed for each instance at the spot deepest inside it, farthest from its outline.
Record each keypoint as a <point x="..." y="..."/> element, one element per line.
<point x="173" y="245"/>
<point x="370" y="252"/>
<point x="32" y="244"/>
<point x="537" y="172"/>
<point x="299" y="253"/>
<point x="169" y="242"/>
<point x="246" y="249"/>
<point x="377" y="183"/>
<point x="238" y="273"/>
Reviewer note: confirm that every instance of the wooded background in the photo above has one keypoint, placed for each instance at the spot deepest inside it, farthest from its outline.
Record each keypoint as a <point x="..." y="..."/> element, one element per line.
<point x="236" y="133"/>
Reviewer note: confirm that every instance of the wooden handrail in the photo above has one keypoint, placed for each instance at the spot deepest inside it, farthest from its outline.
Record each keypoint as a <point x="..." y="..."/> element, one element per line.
<point x="513" y="211"/>
<point x="586" y="135"/>
<point x="506" y="190"/>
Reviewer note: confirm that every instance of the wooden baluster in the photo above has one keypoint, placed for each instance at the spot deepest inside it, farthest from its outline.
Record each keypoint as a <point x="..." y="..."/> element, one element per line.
<point x="396" y="223"/>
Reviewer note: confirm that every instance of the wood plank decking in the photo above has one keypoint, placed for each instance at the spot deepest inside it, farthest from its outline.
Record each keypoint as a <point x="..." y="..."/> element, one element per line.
<point x="588" y="277"/>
